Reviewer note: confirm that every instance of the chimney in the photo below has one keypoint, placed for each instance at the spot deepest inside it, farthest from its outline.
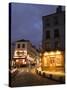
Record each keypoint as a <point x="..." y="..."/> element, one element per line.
<point x="59" y="9"/>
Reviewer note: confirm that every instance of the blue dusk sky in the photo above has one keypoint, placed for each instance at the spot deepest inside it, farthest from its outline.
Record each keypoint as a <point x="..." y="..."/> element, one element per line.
<point x="26" y="21"/>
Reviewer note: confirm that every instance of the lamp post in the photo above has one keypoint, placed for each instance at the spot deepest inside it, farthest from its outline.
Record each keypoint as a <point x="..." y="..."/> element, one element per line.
<point x="42" y="61"/>
<point x="29" y="64"/>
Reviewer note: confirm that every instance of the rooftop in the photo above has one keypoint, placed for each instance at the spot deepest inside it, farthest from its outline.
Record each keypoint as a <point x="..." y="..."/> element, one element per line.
<point x="58" y="11"/>
<point x="22" y="40"/>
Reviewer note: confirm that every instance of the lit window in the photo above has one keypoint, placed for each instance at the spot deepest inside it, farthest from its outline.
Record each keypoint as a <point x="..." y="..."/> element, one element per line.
<point x="58" y="60"/>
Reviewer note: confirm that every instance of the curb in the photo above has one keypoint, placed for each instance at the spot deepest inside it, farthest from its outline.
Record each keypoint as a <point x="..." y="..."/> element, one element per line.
<point x="50" y="76"/>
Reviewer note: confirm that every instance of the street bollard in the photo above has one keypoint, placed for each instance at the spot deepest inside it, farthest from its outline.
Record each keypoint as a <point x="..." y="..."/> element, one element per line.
<point x="44" y="74"/>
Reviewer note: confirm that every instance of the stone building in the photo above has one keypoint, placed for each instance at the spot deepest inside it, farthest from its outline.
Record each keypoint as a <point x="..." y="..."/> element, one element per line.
<point x="53" y="41"/>
<point x="25" y="53"/>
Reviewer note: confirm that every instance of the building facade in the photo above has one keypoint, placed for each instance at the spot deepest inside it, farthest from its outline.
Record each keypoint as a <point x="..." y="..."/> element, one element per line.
<point x="12" y="54"/>
<point x="53" y="41"/>
<point x="24" y="53"/>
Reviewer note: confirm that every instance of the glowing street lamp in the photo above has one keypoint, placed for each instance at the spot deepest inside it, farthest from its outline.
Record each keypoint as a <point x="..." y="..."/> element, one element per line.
<point x="17" y="61"/>
<point x="46" y="54"/>
<point x="58" y="52"/>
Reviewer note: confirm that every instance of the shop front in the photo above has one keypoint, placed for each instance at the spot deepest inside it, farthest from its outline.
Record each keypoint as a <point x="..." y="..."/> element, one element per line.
<point x="19" y="62"/>
<point x="53" y="61"/>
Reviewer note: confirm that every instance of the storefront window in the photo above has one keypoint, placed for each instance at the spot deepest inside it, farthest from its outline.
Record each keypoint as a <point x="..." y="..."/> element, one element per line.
<point x="53" y="61"/>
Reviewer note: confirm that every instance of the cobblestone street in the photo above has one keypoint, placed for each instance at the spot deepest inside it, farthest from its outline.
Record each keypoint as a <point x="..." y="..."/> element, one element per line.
<point x="26" y="78"/>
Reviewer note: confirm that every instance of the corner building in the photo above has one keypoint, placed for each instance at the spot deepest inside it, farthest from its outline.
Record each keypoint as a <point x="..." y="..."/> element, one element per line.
<point x="53" y="41"/>
<point x="25" y="53"/>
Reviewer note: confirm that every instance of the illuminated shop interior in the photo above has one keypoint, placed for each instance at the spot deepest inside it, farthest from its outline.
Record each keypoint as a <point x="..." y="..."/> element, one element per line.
<point x="53" y="61"/>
